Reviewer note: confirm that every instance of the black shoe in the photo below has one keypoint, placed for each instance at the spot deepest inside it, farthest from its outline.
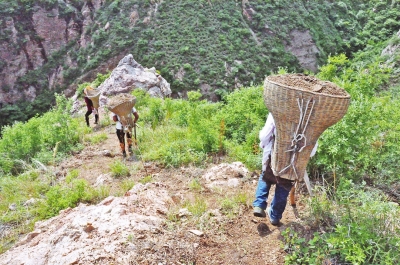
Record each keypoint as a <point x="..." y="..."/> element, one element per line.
<point x="124" y="154"/>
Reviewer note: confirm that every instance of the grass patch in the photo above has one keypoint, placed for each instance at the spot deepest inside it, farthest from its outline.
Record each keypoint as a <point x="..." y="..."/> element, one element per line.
<point x="230" y="206"/>
<point x="146" y="179"/>
<point x="198" y="207"/>
<point x="119" y="169"/>
<point x="127" y="184"/>
<point x="195" y="185"/>
<point x="96" y="138"/>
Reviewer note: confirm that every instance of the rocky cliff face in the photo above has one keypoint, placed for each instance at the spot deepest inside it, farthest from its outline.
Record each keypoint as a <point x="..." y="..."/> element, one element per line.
<point x="33" y="36"/>
<point x="46" y="37"/>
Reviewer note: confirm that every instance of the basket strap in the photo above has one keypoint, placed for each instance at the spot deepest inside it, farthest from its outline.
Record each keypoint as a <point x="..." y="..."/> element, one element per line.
<point x="304" y="118"/>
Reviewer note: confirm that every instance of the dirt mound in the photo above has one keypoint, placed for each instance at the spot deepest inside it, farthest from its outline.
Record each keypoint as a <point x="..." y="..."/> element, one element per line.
<point x="309" y="83"/>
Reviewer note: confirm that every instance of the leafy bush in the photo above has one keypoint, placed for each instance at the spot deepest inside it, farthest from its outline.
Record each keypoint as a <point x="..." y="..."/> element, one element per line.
<point x="361" y="144"/>
<point x="364" y="229"/>
<point x="60" y="197"/>
<point x="55" y="133"/>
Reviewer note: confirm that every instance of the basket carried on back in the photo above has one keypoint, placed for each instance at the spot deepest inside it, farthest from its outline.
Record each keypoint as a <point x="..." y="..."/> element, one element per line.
<point x="303" y="107"/>
<point x="94" y="95"/>
<point x="122" y="105"/>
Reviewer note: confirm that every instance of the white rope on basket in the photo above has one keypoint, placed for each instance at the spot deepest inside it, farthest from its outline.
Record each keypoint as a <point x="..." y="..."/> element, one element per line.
<point x="297" y="137"/>
<point x="127" y="126"/>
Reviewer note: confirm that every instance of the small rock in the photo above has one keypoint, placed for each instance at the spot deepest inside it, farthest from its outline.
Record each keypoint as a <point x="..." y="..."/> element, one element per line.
<point x="107" y="153"/>
<point x="148" y="245"/>
<point x="176" y="199"/>
<point x="184" y="212"/>
<point x="12" y="207"/>
<point x="196" y="232"/>
<point x="88" y="228"/>
<point x="30" y="202"/>
<point x="161" y="211"/>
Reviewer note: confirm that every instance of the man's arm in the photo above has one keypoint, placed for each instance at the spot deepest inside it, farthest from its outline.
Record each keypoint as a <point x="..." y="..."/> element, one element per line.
<point x="136" y="117"/>
<point x="134" y="112"/>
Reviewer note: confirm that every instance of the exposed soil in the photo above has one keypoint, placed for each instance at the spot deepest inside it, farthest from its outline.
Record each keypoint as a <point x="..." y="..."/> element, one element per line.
<point x="244" y="239"/>
<point x="228" y="238"/>
<point x="309" y="83"/>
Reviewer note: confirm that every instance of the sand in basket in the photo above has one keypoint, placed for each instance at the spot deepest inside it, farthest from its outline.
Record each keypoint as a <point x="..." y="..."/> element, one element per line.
<point x="122" y="105"/>
<point x="303" y="107"/>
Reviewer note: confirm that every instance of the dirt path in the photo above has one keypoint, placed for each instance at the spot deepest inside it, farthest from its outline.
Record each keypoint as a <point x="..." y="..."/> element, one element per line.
<point x="218" y="236"/>
<point x="243" y="239"/>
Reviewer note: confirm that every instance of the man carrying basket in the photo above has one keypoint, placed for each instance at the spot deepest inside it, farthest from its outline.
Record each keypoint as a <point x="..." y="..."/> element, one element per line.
<point x="304" y="107"/>
<point x="267" y="178"/>
<point x="121" y="132"/>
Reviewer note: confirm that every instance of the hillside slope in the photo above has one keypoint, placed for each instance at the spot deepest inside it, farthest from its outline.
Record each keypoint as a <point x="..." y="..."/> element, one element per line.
<point x="215" y="46"/>
<point x="153" y="223"/>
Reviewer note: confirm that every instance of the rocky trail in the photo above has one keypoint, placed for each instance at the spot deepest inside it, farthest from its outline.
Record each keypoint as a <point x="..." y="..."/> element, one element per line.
<point x="151" y="223"/>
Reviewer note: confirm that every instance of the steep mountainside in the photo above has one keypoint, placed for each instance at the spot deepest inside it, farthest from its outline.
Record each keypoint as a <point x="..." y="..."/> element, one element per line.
<point x="50" y="46"/>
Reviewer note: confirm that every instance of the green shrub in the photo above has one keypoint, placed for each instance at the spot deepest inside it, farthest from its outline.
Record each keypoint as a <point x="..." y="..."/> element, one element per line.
<point x="362" y="228"/>
<point x="127" y="184"/>
<point x="119" y="169"/>
<point x="362" y="142"/>
<point x="56" y="133"/>
<point x="60" y="197"/>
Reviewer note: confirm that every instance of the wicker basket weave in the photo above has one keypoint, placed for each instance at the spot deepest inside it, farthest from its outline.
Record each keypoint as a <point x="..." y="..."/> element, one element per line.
<point x="94" y="95"/>
<point x="122" y="105"/>
<point x="295" y="140"/>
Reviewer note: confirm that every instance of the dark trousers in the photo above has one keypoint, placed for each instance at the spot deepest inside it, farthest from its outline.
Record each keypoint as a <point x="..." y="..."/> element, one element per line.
<point x="121" y="138"/>
<point x="96" y="117"/>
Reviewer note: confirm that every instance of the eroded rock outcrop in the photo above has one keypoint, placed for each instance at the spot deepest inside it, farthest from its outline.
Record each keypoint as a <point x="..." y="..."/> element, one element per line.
<point x="129" y="75"/>
<point x="29" y="47"/>
<point x="304" y="48"/>
<point x="226" y="175"/>
<point x="90" y="234"/>
<point x="392" y="49"/>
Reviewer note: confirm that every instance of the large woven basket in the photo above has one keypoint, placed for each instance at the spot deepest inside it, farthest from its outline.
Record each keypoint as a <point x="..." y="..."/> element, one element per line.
<point x="94" y="95"/>
<point x="122" y="105"/>
<point x="303" y="107"/>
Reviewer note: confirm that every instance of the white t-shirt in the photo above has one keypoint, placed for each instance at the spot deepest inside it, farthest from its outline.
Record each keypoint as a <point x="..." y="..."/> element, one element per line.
<point x="267" y="140"/>
<point x="118" y="124"/>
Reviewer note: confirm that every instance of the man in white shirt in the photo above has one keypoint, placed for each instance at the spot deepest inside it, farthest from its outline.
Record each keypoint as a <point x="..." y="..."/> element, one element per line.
<point x="267" y="178"/>
<point x="121" y="133"/>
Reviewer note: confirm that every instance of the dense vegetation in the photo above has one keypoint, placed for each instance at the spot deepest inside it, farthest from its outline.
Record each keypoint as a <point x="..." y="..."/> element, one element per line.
<point x="211" y="42"/>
